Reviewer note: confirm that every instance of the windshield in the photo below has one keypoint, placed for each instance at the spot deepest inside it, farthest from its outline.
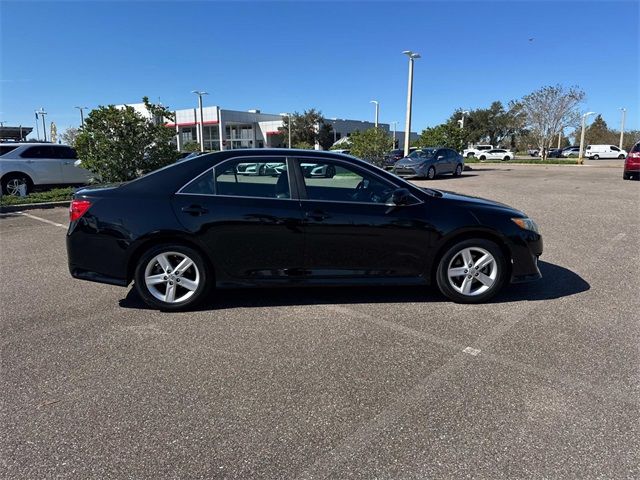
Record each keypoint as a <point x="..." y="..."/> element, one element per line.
<point x="425" y="153"/>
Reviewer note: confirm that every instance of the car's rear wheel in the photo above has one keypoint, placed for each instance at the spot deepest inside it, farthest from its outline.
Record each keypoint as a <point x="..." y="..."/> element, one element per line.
<point x="620" y="156"/>
<point x="172" y="277"/>
<point x="458" y="171"/>
<point x="506" y="157"/>
<point x="482" y="157"/>
<point x="469" y="155"/>
<point x="471" y="271"/>
<point x="626" y="176"/>
<point x="431" y="173"/>
<point x="14" y="182"/>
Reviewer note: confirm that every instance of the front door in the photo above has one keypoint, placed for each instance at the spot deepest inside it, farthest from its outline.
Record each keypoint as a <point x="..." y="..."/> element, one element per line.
<point x="250" y="222"/>
<point x="351" y="231"/>
<point x="45" y="164"/>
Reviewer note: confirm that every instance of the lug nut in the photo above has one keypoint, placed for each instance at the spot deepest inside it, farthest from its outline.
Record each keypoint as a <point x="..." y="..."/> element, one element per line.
<point x="177" y="272"/>
<point x="165" y="277"/>
<point x="468" y="276"/>
<point x="170" y="283"/>
<point x="465" y="271"/>
<point x="169" y="271"/>
<point x="178" y="280"/>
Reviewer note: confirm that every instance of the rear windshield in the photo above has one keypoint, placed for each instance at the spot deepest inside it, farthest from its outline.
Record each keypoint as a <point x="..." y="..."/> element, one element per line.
<point x="6" y="149"/>
<point x="426" y="153"/>
<point x="636" y="148"/>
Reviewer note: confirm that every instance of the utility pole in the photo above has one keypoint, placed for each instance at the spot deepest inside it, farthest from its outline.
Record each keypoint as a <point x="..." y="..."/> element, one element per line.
<point x="581" y="154"/>
<point x="377" y="104"/>
<point x="559" y="138"/>
<point x="624" y="112"/>
<point x="42" y="113"/>
<point x="412" y="56"/>
<point x="81" y="114"/>
<point x="394" y="133"/>
<point x="200" y="94"/>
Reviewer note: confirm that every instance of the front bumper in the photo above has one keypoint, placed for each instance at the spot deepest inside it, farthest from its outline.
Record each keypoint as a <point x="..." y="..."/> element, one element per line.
<point x="409" y="171"/>
<point x="526" y="249"/>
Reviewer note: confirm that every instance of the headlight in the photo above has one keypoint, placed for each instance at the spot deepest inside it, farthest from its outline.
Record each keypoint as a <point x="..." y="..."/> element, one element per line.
<point x="526" y="224"/>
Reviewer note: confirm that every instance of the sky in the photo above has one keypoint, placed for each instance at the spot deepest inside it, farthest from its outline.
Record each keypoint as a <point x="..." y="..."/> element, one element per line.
<point x="332" y="56"/>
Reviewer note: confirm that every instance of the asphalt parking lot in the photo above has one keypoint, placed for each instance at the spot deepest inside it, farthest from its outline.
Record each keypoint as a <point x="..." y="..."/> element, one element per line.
<point x="337" y="383"/>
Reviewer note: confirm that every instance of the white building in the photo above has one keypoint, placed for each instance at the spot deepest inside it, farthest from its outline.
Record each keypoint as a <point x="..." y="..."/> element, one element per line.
<point x="239" y="129"/>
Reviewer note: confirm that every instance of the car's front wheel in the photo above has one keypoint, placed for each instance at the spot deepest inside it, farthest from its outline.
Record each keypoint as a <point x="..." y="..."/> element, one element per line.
<point x="471" y="271"/>
<point x="596" y="157"/>
<point x="506" y="158"/>
<point x="458" y="171"/>
<point x="431" y="173"/>
<point x="172" y="277"/>
<point x="620" y="156"/>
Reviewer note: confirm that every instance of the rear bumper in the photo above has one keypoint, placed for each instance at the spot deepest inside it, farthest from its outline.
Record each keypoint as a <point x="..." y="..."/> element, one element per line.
<point x="96" y="277"/>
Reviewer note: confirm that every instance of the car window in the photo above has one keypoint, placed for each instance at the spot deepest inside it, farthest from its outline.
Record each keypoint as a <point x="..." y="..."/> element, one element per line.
<point x="65" y="152"/>
<point x="201" y="185"/>
<point x="615" y="149"/>
<point x="6" y="149"/>
<point x="40" y="151"/>
<point x="636" y="148"/>
<point x="424" y="153"/>
<point x="253" y="177"/>
<point x="337" y="182"/>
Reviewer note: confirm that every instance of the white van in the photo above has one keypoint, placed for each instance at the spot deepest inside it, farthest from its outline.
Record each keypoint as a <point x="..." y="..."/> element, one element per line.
<point x="595" y="152"/>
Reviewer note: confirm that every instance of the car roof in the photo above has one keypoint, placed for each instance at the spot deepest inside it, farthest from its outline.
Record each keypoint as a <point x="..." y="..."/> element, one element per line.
<point x="32" y="144"/>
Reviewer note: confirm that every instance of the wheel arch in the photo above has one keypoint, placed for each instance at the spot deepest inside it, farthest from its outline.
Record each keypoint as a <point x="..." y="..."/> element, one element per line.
<point x="17" y="172"/>
<point x="462" y="235"/>
<point x="160" y="238"/>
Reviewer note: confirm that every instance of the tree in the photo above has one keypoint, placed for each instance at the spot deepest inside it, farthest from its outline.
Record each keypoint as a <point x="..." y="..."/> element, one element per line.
<point x="493" y="124"/>
<point x="548" y="111"/>
<point x="307" y="128"/>
<point x="444" y="135"/>
<point x="191" y="147"/>
<point x="119" y="144"/>
<point x="599" y="133"/>
<point x="69" y="136"/>
<point x="371" y="145"/>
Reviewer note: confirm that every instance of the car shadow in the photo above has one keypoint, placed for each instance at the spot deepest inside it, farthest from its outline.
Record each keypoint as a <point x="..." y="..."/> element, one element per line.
<point x="558" y="282"/>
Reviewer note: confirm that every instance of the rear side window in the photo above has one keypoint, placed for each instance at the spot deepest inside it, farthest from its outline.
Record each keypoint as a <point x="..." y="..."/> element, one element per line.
<point x="253" y="177"/>
<point x="41" y="151"/>
<point x="6" y="149"/>
<point x="636" y="148"/>
<point x="201" y="185"/>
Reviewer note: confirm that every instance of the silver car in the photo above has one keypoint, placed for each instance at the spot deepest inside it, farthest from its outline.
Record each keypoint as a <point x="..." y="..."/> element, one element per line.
<point x="429" y="162"/>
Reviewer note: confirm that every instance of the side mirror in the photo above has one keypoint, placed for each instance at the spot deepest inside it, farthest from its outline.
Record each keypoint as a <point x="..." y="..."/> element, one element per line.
<point x="400" y="197"/>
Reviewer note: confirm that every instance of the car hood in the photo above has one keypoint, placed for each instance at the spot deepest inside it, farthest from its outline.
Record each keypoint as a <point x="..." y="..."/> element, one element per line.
<point x="406" y="161"/>
<point x="477" y="202"/>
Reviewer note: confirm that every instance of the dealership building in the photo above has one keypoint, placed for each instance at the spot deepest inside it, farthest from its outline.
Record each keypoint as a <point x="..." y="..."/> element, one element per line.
<point x="246" y="129"/>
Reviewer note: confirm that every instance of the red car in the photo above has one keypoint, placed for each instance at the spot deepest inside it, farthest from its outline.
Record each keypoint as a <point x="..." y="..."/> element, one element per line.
<point x="632" y="163"/>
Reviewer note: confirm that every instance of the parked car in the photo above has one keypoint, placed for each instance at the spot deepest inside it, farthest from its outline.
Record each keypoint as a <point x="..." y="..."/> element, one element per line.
<point x="632" y="163"/>
<point x="595" y="152"/>
<point x="475" y="151"/>
<point x="429" y="162"/>
<point x="569" y="152"/>
<point x="186" y="228"/>
<point x="534" y="152"/>
<point x="394" y="155"/>
<point x="555" y="153"/>
<point x="496" y="154"/>
<point x="25" y="166"/>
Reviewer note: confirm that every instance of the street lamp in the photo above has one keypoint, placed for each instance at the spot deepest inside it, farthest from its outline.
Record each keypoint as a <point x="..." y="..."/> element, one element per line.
<point x="581" y="154"/>
<point x="81" y="114"/>
<point x="461" y="121"/>
<point x="412" y="56"/>
<point x="377" y="104"/>
<point x="395" y="124"/>
<point x="624" y="112"/>
<point x="42" y="113"/>
<point x="200" y="94"/>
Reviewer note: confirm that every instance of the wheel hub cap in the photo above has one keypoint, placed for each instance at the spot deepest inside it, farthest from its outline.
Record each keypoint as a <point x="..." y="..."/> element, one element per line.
<point x="472" y="271"/>
<point x="172" y="277"/>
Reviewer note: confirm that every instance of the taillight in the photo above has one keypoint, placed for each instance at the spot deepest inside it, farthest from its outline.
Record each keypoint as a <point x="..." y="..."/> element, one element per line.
<point x="78" y="208"/>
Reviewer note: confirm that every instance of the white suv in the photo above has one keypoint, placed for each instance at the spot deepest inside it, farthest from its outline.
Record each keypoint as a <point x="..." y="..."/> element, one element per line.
<point x="38" y="164"/>
<point x="476" y="151"/>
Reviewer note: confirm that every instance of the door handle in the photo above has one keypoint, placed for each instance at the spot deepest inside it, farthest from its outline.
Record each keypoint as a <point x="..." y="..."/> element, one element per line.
<point x="317" y="215"/>
<point x="195" y="210"/>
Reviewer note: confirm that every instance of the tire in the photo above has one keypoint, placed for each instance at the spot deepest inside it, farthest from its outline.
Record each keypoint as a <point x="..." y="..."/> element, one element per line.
<point x="431" y="173"/>
<point x="262" y="171"/>
<point x="482" y="157"/>
<point x="330" y="172"/>
<point x="626" y="176"/>
<point x="11" y="183"/>
<point x="506" y="158"/>
<point x="478" y="289"/>
<point x="458" y="171"/>
<point x="620" y="156"/>
<point x="596" y="157"/>
<point x="470" y="155"/>
<point x="149" y="267"/>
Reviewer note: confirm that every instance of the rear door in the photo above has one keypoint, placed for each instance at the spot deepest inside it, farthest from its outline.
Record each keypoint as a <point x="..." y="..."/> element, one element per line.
<point x="70" y="173"/>
<point x="350" y="230"/>
<point x="44" y="163"/>
<point x="251" y="224"/>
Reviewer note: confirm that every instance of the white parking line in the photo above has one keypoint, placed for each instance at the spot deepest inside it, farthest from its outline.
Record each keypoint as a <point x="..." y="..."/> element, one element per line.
<point x="42" y="220"/>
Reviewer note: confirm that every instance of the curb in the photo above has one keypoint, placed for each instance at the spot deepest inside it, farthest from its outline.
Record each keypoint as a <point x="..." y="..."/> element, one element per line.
<point x="33" y="206"/>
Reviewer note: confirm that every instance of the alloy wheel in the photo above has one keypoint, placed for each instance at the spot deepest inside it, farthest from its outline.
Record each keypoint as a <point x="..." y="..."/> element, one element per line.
<point x="172" y="277"/>
<point x="472" y="271"/>
<point x="13" y="185"/>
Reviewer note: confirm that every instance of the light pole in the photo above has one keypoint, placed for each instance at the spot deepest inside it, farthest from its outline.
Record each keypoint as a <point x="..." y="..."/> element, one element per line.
<point x="289" y="125"/>
<point x="581" y="154"/>
<point x="412" y="56"/>
<point x="81" y="114"/>
<point x="461" y="121"/>
<point x="394" y="133"/>
<point x="42" y="113"/>
<point x="624" y="112"/>
<point x="335" y="138"/>
<point x="559" y="138"/>
<point x="377" y="104"/>
<point x="200" y="94"/>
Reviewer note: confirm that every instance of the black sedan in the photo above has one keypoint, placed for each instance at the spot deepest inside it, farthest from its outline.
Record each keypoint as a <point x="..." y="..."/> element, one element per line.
<point x="198" y="224"/>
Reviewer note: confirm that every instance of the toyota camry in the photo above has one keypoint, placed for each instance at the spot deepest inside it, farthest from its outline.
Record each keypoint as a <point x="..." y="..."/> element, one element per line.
<point x="194" y="228"/>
